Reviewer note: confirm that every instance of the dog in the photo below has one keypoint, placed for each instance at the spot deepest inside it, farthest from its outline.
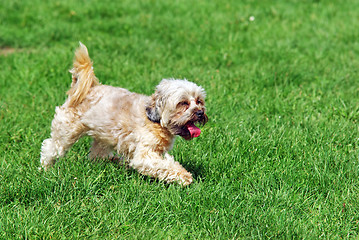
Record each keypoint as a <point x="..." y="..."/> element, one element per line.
<point x="141" y="129"/>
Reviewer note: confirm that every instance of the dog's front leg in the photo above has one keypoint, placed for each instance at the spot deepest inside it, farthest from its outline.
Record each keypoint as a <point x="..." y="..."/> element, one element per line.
<point x="162" y="167"/>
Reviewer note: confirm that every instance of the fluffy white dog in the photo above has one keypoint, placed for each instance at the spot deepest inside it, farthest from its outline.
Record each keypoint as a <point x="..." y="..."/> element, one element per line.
<point x="140" y="128"/>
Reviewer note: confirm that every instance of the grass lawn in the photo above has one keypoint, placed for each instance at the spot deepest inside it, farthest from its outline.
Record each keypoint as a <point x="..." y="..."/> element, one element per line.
<point x="277" y="159"/>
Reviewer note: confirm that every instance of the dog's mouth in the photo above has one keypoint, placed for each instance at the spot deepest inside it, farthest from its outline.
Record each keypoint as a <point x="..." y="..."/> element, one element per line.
<point x="189" y="131"/>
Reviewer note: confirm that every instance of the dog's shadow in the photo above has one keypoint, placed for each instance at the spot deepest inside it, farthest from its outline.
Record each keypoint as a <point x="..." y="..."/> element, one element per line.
<point x="196" y="169"/>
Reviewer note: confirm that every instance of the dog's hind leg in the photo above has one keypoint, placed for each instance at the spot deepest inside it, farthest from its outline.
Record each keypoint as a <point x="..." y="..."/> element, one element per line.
<point x="66" y="129"/>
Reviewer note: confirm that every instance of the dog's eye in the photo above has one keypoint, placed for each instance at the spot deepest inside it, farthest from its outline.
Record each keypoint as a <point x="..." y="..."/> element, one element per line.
<point x="184" y="103"/>
<point x="199" y="102"/>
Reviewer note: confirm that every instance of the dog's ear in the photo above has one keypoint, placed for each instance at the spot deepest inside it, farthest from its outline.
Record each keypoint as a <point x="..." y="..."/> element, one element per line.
<point x="152" y="111"/>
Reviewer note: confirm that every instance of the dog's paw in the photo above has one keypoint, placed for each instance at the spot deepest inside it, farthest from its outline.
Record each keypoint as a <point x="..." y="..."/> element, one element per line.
<point x="185" y="178"/>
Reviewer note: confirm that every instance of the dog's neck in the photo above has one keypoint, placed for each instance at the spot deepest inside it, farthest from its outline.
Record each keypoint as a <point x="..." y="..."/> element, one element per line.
<point x="152" y="119"/>
<point x="164" y="137"/>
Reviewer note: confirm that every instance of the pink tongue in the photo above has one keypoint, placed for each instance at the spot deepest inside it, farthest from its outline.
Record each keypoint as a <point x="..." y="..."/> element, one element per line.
<point x="195" y="131"/>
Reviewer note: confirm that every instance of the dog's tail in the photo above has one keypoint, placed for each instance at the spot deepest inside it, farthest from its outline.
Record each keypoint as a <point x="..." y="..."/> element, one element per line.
<point x="83" y="76"/>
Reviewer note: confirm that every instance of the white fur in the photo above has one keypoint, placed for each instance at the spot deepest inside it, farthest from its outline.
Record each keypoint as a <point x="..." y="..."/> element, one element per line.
<point x="119" y="120"/>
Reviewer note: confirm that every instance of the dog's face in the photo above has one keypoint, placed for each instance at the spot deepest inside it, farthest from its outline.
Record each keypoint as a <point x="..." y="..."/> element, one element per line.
<point x="178" y="105"/>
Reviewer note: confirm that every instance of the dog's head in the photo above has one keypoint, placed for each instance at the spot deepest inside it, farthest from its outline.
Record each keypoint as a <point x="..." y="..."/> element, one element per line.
<point x="178" y="105"/>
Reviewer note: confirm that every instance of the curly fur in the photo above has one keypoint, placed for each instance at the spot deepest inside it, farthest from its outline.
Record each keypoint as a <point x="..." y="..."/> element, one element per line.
<point x="140" y="128"/>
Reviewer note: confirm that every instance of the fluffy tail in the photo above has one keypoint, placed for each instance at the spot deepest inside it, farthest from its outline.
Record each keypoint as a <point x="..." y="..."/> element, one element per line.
<point x="83" y="76"/>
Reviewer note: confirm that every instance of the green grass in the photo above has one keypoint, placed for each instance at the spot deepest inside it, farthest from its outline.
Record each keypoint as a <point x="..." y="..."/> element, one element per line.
<point x="278" y="158"/>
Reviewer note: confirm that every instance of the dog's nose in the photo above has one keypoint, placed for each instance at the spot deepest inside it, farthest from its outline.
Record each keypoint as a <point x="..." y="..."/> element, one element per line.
<point x="200" y="113"/>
